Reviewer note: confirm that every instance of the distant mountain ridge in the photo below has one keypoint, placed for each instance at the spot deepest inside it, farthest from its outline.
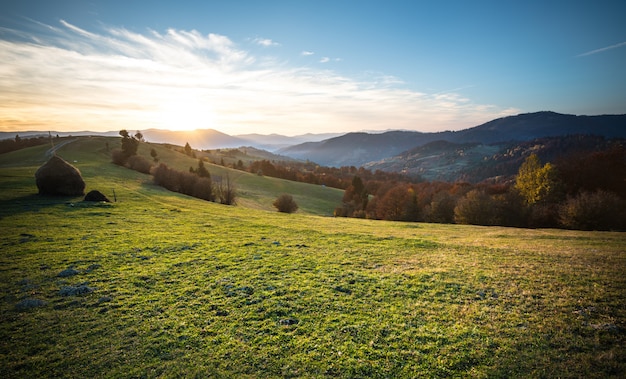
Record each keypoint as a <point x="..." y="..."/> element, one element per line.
<point x="358" y="149"/>
<point x="198" y="139"/>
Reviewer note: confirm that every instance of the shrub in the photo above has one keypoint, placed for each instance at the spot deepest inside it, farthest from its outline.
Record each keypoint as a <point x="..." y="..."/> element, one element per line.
<point x="139" y="164"/>
<point x="598" y="210"/>
<point x="285" y="203"/>
<point x="226" y="191"/>
<point x="118" y="157"/>
<point x="203" y="189"/>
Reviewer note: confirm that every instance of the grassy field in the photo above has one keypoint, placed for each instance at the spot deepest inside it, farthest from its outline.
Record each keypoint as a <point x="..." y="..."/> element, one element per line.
<point x="163" y="285"/>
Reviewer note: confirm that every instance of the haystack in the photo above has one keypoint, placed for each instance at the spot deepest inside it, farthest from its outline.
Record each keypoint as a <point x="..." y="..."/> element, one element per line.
<point x="57" y="177"/>
<point x="96" y="196"/>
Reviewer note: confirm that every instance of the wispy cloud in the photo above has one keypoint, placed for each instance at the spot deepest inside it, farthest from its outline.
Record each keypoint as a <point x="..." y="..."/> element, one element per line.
<point x="120" y="79"/>
<point x="325" y="60"/>
<point x="621" y="44"/>
<point x="265" y="42"/>
<point x="307" y="53"/>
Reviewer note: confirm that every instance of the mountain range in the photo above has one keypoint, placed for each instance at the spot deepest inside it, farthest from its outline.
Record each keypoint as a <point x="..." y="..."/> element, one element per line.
<point x="359" y="149"/>
<point x="492" y="149"/>
<point x="201" y="139"/>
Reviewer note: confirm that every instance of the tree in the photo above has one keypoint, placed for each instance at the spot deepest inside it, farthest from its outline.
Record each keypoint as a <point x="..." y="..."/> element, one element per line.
<point x="202" y="171"/>
<point x="599" y="210"/>
<point x="226" y="191"/>
<point x="476" y="208"/>
<point x="536" y="183"/>
<point x="188" y="150"/>
<point x="153" y="154"/>
<point x="441" y="209"/>
<point x="355" y="199"/>
<point x="398" y="204"/>
<point x="130" y="144"/>
<point x="285" y="203"/>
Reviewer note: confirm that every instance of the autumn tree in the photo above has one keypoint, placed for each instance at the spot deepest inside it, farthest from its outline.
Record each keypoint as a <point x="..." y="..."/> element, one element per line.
<point x="441" y="208"/>
<point x="355" y="198"/>
<point x="599" y="210"/>
<point x="398" y="204"/>
<point x="476" y="208"/>
<point x="536" y="183"/>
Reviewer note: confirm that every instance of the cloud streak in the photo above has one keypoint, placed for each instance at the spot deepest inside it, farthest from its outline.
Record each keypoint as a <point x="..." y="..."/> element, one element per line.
<point x="621" y="44"/>
<point x="265" y="42"/>
<point x="119" y="79"/>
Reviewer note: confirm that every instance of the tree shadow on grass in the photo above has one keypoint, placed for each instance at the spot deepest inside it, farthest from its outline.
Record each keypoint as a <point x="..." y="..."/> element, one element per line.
<point x="34" y="203"/>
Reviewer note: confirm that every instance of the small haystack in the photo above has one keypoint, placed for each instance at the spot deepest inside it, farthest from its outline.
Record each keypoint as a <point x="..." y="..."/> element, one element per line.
<point x="57" y="177"/>
<point x="96" y="196"/>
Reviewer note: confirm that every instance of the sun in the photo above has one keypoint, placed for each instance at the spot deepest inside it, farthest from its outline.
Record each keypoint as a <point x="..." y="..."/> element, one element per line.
<point x="186" y="115"/>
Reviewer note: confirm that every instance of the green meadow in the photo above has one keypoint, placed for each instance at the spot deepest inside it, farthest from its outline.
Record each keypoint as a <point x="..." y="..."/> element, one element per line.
<point x="158" y="284"/>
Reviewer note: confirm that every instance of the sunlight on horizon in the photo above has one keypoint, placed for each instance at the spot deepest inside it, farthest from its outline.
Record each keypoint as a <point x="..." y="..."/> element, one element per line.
<point x="185" y="81"/>
<point x="186" y="115"/>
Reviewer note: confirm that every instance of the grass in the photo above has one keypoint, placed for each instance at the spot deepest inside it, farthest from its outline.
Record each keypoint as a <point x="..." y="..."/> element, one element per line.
<point x="186" y="288"/>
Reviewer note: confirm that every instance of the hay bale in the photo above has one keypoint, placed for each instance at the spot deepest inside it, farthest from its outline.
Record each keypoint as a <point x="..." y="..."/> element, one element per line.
<point x="57" y="177"/>
<point x="96" y="196"/>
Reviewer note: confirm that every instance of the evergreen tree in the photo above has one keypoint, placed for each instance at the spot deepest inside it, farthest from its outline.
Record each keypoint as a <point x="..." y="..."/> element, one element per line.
<point x="130" y="144"/>
<point x="202" y="171"/>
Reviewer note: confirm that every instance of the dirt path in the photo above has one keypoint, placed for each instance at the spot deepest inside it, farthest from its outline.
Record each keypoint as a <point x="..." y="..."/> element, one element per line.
<point x="53" y="149"/>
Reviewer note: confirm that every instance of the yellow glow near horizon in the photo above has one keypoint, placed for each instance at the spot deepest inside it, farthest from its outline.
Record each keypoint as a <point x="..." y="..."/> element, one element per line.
<point x="186" y="115"/>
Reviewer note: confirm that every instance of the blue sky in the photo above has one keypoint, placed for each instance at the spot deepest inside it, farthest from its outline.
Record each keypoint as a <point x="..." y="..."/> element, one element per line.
<point x="294" y="67"/>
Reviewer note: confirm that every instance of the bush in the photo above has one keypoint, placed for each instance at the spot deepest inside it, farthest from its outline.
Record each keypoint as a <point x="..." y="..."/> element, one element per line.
<point x="598" y="210"/>
<point x="285" y="203"/>
<point x="118" y="157"/>
<point x="203" y="189"/>
<point x="139" y="164"/>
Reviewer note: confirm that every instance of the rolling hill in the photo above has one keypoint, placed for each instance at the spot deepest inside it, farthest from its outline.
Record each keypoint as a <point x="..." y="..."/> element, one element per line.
<point x="258" y="192"/>
<point x="358" y="149"/>
<point x="158" y="284"/>
<point x="474" y="162"/>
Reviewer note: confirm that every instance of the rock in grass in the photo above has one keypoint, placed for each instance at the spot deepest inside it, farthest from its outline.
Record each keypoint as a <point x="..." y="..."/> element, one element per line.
<point x="27" y="304"/>
<point x="81" y="289"/>
<point x="67" y="273"/>
<point x="288" y="321"/>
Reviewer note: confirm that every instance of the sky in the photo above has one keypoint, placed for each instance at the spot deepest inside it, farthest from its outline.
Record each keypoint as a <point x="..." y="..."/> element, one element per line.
<point x="305" y="66"/>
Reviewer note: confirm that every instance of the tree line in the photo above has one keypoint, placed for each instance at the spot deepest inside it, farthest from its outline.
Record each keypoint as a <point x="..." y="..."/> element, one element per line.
<point x="584" y="191"/>
<point x="312" y="173"/>
<point x="17" y="143"/>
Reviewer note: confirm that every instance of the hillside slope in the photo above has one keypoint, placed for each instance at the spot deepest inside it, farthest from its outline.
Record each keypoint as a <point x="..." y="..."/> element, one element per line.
<point x="357" y="149"/>
<point x="90" y="156"/>
<point x="163" y="285"/>
<point x="475" y="162"/>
